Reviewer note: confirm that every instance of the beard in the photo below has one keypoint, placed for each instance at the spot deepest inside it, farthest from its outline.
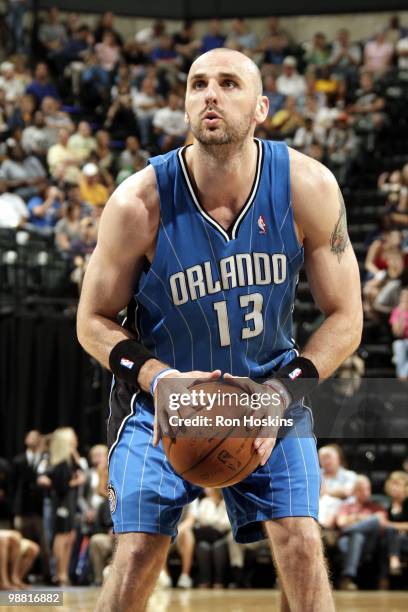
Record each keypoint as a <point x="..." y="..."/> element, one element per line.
<point x="224" y="133"/>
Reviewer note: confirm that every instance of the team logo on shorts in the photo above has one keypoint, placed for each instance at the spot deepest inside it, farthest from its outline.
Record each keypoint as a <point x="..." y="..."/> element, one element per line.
<point x="112" y="498"/>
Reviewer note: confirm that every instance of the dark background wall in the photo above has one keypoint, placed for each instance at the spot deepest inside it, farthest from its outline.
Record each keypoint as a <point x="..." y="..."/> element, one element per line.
<point x="46" y="381"/>
<point x="181" y="9"/>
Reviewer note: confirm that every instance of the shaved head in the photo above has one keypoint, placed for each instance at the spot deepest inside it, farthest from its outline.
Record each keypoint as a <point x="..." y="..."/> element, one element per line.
<point x="224" y="101"/>
<point x="238" y="61"/>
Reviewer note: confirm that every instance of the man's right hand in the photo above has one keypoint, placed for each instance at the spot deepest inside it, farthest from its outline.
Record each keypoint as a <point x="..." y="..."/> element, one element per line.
<point x="177" y="383"/>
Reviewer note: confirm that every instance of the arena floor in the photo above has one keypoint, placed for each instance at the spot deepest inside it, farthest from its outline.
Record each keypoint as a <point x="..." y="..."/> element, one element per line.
<point x="230" y="601"/>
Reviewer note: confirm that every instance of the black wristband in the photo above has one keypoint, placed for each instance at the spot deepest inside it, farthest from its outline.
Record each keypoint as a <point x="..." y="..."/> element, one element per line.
<point x="126" y="358"/>
<point x="300" y="377"/>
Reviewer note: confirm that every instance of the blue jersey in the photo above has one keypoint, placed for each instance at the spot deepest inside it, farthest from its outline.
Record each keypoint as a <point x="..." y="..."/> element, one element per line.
<point x="217" y="299"/>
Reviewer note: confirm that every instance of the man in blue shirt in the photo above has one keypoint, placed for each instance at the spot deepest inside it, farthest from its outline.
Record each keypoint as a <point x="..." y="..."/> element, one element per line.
<point x="45" y="209"/>
<point x="214" y="39"/>
<point x="41" y="86"/>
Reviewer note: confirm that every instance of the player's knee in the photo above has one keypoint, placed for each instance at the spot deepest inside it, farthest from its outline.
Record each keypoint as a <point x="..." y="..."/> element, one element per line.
<point x="299" y="539"/>
<point x="139" y="556"/>
<point x="306" y="544"/>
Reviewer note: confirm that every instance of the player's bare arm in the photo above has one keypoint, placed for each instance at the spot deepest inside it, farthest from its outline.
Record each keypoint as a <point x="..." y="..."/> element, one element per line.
<point x="330" y="263"/>
<point x="127" y="236"/>
<point x="127" y="232"/>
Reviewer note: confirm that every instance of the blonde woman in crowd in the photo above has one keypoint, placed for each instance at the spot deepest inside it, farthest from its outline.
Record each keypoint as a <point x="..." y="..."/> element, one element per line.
<point x="396" y="533"/>
<point x="63" y="476"/>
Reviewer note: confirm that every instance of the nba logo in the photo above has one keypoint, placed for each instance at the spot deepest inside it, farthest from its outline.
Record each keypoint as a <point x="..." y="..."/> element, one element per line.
<point x="126" y="363"/>
<point x="296" y="372"/>
<point x="261" y="225"/>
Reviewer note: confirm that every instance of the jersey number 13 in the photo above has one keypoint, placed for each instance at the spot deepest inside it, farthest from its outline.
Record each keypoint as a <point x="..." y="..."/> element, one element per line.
<point x="253" y="318"/>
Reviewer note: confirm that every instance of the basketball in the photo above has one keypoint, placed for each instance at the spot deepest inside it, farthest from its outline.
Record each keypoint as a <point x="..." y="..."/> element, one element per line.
<point x="223" y="457"/>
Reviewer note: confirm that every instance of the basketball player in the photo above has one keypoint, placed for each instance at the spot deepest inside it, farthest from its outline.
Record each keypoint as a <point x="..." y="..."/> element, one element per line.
<point x="206" y="244"/>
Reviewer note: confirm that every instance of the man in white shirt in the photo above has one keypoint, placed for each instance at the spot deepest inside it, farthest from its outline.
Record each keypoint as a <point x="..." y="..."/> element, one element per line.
<point x="37" y="139"/>
<point x="170" y="125"/>
<point x="290" y="82"/>
<point x="337" y="484"/>
<point x="145" y="104"/>
<point x="12" y="86"/>
<point x="13" y="211"/>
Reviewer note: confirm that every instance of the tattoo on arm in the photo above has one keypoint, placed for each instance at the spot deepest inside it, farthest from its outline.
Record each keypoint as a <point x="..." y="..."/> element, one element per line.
<point x="339" y="238"/>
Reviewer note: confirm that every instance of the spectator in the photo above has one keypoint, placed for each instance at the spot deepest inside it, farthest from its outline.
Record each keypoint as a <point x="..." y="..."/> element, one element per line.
<point x="387" y="291"/>
<point x="108" y="52"/>
<point x="394" y="31"/>
<point x="145" y="104"/>
<point x="74" y="50"/>
<point x="359" y="521"/>
<point x="92" y="190"/>
<point x="107" y="24"/>
<point x="41" y="86"/>
<point x="36" y="139"/>
<point x="290" y="82"/>
<point x="241" y="38"/>
<point x="13" y="210"/>
<point x="52" y="34"/>
<point x="139" y="162"/>
<point x="22" y="115"/>
<point x="60" y="156"/>
<point x="82" y="143"/>
<point x="286" y="121"/>
<point x="378" y="54"/>
<point x="55" y="118"/>
<point x="103" y="154"/>
<point x="134" y="56"/>
<point x="82" y="248"/>
<point x="345" y="56"/>
<point x="45" y="209"/>
<point x="131" y="153"/>
<point x="276" y="99"/>
<point x="67" y="229"/>
<point x="273" y="29"/>
<point x="12" y="85"/>
<point x="318" y="51"/>
<point x="186" y="44"/>
<point x="274" y="50"/>
<point x="28" y="497"/>
<point x="342" y="148"/>
<point x="337" y="483"/>
<point x="379" y="250"/>
<point x="120" y="118"/>
<point x="15" y="17"/>
<point x="63" y="478"/>
<point x="368" y="109"/>
<point x="149" y="37"/>
<point x="101" y="544"/>
<point x="164" y="55"/>
<point x="17" y="555"/>
<point x="169" y="124"/>
<point x="22" y="173"/>
<point x="396" y="523"/>
<point x="214" y="39"/>
<point x="211" y="527"/>
<point x="399" y="326"/>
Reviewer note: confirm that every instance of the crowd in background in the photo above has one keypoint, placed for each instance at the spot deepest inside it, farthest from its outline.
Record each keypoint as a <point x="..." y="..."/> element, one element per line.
<point x="92" y="107"/>
<point x="80" y="119"/>
<point x="55" y="522"/>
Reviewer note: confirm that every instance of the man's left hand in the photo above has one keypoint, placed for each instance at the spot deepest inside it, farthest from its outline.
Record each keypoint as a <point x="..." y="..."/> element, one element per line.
<point x="266" y="438"/>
